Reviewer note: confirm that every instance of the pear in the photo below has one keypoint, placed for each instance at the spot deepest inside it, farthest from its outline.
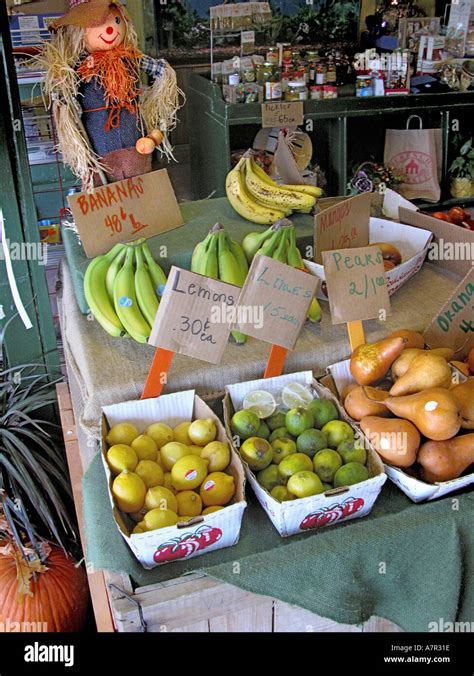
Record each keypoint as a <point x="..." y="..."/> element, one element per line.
<point x="358" y="404"/>
<point x="413" y="338"/>
<point x="464" y="393"/>
<point x="427" y="370"/>
<point x="435" y="412"/>
<point x="400" y="365"/>
<point x="446" y="460"/>
<point x="395" y="440"/>
<point x="370" y="362"/>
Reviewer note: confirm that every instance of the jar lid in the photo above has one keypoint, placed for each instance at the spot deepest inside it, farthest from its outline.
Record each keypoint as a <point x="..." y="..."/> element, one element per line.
<point x="297" y="83"/>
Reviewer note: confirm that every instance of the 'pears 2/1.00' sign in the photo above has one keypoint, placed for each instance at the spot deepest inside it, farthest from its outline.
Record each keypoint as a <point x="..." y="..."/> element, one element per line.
<point x="356" y="284"/>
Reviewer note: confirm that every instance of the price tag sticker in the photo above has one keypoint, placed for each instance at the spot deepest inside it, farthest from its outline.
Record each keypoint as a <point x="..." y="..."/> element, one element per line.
<point x="194" y="316"/>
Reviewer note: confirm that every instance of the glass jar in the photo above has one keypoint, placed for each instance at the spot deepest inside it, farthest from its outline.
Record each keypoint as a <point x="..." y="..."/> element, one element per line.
<point x="273" y="91"/>
<point x="264" y="72"/>
<point x="364" y="85"/>
<point x="286" y="76"/>
<point x="272" y="56"/>
<point x="297" y="91"/>
<point x="320" y="74"/>
<point x="331" y="75"/>
<point x="316" y="92"/>
<point x="329" y="92"/>
<point x="248" y="74"/>
<point x="286" y="54"/>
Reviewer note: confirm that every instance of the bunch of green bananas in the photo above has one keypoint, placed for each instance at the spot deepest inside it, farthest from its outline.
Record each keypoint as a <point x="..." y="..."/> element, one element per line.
<point x="257" y="198"/>
<point x="123" y="290"/>
<point x="220" y="257"/>
<point x="279" y="242"/>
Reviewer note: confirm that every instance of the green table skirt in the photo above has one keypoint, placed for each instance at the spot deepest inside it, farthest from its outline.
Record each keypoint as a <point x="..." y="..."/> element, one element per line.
<point x="411" y="564"/>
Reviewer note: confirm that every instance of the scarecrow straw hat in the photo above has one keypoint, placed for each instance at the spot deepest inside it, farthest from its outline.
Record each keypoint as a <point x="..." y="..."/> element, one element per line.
<point x="85" y="13"/>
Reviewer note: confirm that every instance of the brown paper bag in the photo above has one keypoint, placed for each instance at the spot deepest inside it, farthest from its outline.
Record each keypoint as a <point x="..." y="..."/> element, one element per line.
<point x="416" y="154"/>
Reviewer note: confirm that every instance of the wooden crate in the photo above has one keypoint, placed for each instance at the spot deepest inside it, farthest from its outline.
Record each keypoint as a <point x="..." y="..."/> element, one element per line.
<point x="194" y="603"/>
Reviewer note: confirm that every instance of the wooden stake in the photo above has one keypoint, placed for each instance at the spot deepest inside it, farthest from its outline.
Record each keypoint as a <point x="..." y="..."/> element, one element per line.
<point x="157" y="375"/>
<point x="355" y="330"/>
<point x="276" y="361"/>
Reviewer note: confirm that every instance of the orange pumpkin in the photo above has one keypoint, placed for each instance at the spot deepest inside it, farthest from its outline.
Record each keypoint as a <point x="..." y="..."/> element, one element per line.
<point x="59" y="592"/>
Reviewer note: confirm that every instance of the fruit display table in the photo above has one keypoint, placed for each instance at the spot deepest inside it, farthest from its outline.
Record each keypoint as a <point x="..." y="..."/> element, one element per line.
<point x="354" y="573"/>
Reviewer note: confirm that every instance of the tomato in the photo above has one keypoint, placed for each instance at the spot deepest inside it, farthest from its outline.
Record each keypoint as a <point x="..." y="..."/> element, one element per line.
<point x="441" y="216"/>
<point x="457" y="215"/>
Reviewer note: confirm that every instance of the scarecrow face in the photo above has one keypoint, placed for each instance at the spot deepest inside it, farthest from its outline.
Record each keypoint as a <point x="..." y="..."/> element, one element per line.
<point x="107" y="36"/>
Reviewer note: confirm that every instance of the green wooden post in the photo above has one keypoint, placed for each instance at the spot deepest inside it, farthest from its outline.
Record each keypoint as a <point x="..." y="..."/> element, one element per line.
<point x="37" y="344"/>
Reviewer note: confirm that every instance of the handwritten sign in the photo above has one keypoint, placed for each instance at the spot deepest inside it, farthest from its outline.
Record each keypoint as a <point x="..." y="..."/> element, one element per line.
<point x="453" y="325"/>
<point x="274" y="302"/>
<point x="282" y="114"/>
<point x="343" y="226"/>
<point x="356" y="284"/>
<point x="142" y="206"/>
<point x="194" y="315"/>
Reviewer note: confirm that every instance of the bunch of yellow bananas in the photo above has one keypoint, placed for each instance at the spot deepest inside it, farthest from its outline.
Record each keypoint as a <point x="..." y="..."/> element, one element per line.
<point x="123" y="290"/>
<point x="220" y="257"/>
<point x="257" y="198"/>
<point x="279" y="242"/>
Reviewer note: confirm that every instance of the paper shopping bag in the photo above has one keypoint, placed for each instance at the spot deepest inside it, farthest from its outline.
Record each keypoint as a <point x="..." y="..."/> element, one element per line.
<point x="416" y="155"/>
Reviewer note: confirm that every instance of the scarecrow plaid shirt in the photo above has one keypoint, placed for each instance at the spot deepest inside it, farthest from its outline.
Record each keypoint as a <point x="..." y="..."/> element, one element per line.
<point x="151" y="66"/>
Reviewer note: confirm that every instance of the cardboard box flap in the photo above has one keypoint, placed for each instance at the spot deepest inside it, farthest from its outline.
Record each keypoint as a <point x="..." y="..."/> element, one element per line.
<point x="171" y="409"/>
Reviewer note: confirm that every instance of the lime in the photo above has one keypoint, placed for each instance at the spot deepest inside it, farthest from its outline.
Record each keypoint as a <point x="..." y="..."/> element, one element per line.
<point x="326" y="463"/>
<point x="352" y="473"/>
<point x="304" y="484"/>
<point x="276" y="420"/>
<point x="269" y="477"/>
<point x="256" y="452"/>
<point x="282" y="448"/>
<point x="297" y="420"/>
<point x="281" y="493"/>
<point x="296" y="394"/>
<point x="263" y="431"/>
<point x="280" y="433"/>
<point x="338" y="431"/>
<point x="296" y="462"/>
<point x="323" y="411"/>
<point x="311" y="441"/>
<point x="245" y="424"/>
<point x="327" y="487"/>
<point x="260" y="402"/>
<point x="351" y="452"/>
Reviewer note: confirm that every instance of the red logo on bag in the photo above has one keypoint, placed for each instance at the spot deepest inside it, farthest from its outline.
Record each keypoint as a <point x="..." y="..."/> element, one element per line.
<point x="184" y="546"/>
<point x="336" y="512"/>
<point x="414" y="166"/>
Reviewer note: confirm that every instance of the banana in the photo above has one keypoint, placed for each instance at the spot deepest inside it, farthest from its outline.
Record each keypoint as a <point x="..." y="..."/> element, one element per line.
<point x="211" y="265"/>
<point x="243" y="203"/>
<point x="269" y="246"/>
<point x="253" y="241"/>
<point x="144" y="289"/>
<point x="114" y="267"/>
<point x="126" y="304"/>
<point x="304" y="188"/>
<point x="197" y="260"/>
<point x="281" y="250"/>
<point x="96" y="293"/>
<point x="157" y="275"/>
<point x="229" y="272"/>
<point x="294" y="258"/>
<point x="240" y="258"/>
<point x="274" y="195"/>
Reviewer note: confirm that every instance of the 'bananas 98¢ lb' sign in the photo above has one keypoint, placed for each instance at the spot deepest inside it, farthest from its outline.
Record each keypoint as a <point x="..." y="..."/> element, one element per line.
<point x="192" y="317"/>
<point x="142" y="206"/>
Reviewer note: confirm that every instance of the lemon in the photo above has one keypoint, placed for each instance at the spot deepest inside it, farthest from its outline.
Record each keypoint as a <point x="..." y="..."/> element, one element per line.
<point x="129" y="491"/>
<point x="145" y="447"/>
<point x="217" y="489"/>
<point x="181" y="433"/>
<point x="138" y="529"/>
<point x="218" y="455"/>
<point x="150" y="472"/>
<point x="210" y="510"/>
<point x="295" y="395"/>
<point x="189" y="502"/>
<point x="202" y="432"/>
<point x="172" y="452"/>
<point x="160" y="518"/>
<point x="189" y="472"/>
<point x="160" y="433"/>
<point x="260" y="402"/>
<point x="122" y="433"/>
<point x="120" y="457"/>
<point x="138" y="516"/>
<point x="160" y="497"/>
<point x="185" y="518"/>
<point x="168" y="482"/>
<point x="281" y="493"/>
<point x="195" y="450"/>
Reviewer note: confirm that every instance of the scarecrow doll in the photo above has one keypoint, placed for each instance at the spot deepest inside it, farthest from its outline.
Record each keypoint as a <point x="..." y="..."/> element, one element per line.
<point x="107" y="126"/>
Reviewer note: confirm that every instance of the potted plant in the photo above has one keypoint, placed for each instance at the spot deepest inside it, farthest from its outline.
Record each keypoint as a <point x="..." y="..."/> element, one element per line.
<point x="461" y="172"/>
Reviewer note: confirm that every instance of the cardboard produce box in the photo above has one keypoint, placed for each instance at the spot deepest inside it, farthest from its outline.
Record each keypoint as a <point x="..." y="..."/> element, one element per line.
<point x="303" y="514"/>
<point x="339" y="376"/>
<point x="413" y="244"/>
<point x="453" y="245"/>
<point x="201" y="534"/>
